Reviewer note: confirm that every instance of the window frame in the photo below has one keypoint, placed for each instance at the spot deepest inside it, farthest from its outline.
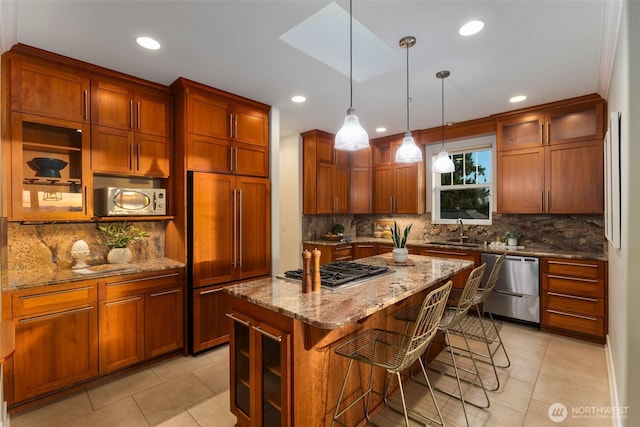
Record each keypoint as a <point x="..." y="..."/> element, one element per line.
<point x="466" y="145"/>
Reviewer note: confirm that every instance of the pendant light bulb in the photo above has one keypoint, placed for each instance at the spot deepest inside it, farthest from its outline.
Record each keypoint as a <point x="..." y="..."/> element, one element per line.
<point x="443" y="163"/>
<point x="351" y="136"/>
<point x="408" y="152"/>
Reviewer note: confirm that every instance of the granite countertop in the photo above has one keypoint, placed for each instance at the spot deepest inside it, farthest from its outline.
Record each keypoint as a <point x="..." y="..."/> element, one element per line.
<point x="332" y="309"/>
<point x="33" y="278"/>
<point x="511" y="250"/>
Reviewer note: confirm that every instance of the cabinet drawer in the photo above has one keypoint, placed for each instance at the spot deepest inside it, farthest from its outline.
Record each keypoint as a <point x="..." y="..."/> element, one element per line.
<point x="574" y="304"/>
<point x="593" y="269"/>
<point x="575" y="285"/>
<point x="343" y="253"/>
<point x="53" y="298"/>
<point x="591" y="325"/>
<point x="133" y="285"/>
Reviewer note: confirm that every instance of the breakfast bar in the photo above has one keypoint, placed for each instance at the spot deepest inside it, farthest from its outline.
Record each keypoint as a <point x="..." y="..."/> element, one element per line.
<point x="283" y="368"/>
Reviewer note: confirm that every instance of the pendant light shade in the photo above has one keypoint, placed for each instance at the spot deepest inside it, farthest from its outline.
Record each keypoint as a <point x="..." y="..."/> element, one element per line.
<point x="408" y="152"/>
<point x="351" y="136"/>
<point x="443" y="163"/>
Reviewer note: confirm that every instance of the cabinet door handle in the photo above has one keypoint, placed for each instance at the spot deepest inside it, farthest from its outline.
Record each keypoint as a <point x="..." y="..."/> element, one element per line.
<point x="65" y="291"/>
<point x="159" y="294"/>
<point x="548" y="205"/>
<point x="230" y="125"/>
<point x="557" y="294"/>
<point x="130" y="156"/>
<point x="235" y="229"/>
<point x="236" y="125"/>
<point x="541" y="200"/>
<point x="267" y="334"/>
<point x="574" y="279"/>
<point x="211" y="291"/>
<point x="240" y="227"/>
<point x="139" y="119"/>
<point x="562" y="313"/>
<point x="123" y="301"/>
<point x="131" y="114"/>
<point x="541" y="133"/>
<point x="230" y="159"/>
<point x="142" y="279"/>
<point x="86" y="104"/>
<point x="60" y="313"/>
<point x="86" y="200"/>
<point x="235" y="319"/>
<point x="236" y="159"/>
<point x="548" y="133"/>
<point x="138" y="159"/>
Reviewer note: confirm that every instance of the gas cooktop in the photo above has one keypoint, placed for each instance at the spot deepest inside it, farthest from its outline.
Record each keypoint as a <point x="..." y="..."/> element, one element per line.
<point x="341" y="273"/>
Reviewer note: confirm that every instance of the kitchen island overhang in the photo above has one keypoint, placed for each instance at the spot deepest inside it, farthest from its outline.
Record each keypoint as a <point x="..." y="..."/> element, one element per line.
<point x="305" y="327"/>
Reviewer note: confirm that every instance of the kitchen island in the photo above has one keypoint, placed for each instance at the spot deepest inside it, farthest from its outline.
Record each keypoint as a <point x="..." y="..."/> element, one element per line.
<point x="283" y="368"/>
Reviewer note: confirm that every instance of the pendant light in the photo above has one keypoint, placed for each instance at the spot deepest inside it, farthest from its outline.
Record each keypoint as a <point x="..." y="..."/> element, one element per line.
<point x="443" y="163"/>
<point x="408" y="151"/>
<point x="351" y="136"/>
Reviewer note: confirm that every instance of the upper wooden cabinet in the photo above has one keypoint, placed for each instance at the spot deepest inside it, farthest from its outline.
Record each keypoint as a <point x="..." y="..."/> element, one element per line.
<point x="131" y="129"/>
<point x="360" y="182"/>
<point x="47" y="89"/>
<point x="221" y="132"/>
<point x="397" y="187"/>
<point x="551" y="160"/>
<point x="325" y="174"/>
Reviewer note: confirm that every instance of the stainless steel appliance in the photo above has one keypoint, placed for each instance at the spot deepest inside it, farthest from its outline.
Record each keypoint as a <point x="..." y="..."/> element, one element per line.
<point x="517" y="291"/>
<point x="118" y="201"/>
<point x="341" y="273"/>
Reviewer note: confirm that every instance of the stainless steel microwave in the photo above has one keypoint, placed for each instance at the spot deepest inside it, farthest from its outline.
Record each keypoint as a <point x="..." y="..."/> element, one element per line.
<point x="118" y="201"/>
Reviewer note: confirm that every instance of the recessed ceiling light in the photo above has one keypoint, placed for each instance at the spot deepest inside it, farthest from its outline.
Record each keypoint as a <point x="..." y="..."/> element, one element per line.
<point x="518" y="98"/>
<point x="298" y="99"/>
<point x="381" y="129"/>
<point x="148" y="43"/>
<point x="471" y="28"/>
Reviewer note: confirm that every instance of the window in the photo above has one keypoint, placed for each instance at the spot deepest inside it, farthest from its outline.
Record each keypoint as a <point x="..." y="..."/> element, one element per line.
<point x="466" y="192"/>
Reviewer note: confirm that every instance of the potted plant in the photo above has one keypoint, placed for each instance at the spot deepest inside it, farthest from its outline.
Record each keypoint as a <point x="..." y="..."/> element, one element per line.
<point x="512" y="236"/>
<point x="400" y="251"/>
<point x="118" y="235"/>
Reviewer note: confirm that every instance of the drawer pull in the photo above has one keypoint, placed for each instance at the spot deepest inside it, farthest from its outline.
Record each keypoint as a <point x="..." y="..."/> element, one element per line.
<point x="58" y="314"/>
<point x="562" y="313"/>
<point x="445" y="253"/>
<point x="573" y="264"/>
<point x="235" y="319"/>
<point x="210" y="291"/>
<point x="267" y="334"/>
<point x="556" y="294"/>
<point x="86" y="288"/>
<point x="365" y="246"/>
<point x="123" y="301"/>
<point x="142" y="279"/>
<point x="575" y="279"/>
<point x="171" y="291"/>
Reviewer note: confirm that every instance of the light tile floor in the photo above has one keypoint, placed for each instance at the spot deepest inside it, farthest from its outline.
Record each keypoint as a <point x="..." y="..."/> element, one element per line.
<point x="194" y="391"/>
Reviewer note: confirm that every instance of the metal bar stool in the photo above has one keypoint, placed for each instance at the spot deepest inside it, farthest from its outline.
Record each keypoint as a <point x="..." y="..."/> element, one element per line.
<point x="485" y="330"/>
<point x="451" y="318"/>
<point x="394" y="351"/>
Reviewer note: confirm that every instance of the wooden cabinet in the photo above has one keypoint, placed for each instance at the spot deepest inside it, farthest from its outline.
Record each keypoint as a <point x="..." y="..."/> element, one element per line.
<point x="48" y="194"/>
<point x="46" y="89"/>
<point x="332" y="253"/>
<point x="141" y="317"/>
<point x="360" y="182"/>
<point x="237" y="245"/>
<point x="209" y="324"/>
<point x="460" y="279"/>
<point x="131" y="130"/>
<point x="261" y="366"/>
<point x="56" y="338"/>
<point x="551" y="160"/>
<point x="397" y="188"/>
<point x="364" y="250"/>
<point x="325" y="175"/>
<point x="574" y="298"/>
<point x="221" y="132"/>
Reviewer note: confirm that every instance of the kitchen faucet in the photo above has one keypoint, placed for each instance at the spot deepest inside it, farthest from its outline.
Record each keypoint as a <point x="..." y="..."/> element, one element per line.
<point x="461" y="229"/>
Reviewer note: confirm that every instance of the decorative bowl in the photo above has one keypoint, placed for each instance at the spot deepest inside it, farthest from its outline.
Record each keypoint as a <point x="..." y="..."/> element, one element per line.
<point x="48" y="166"/>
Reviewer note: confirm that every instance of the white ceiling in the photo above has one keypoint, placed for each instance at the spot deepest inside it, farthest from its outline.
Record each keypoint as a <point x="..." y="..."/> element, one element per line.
<point x="548" y="50"/>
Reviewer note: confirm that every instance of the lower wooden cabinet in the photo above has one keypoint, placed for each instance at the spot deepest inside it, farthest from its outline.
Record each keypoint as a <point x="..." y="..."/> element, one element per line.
<point x="209" y="325"/>
<point x="363" y="250"/>
<point x="574" y="298"/>
<point x="141" y="317"/>
<point x="332" y="253"/>
<point x="460" y="279"/>
<point x="261" y="363"/>
<point x="56" y="338"/>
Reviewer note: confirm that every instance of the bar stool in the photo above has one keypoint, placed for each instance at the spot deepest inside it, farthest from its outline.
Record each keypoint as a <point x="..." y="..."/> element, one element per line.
<point x="394" y="351"/>
<point x="485" y="330"/>
<point x="451" y="318"/>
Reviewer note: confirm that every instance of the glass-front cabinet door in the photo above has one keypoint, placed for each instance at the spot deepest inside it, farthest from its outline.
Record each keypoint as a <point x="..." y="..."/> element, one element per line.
<point x="49" y="169"/>
<point x="240" y="350"/>
<point x="273" y="385"/>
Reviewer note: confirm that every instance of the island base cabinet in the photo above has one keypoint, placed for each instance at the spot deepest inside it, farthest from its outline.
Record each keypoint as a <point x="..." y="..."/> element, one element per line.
<point x="209" y="325"/>
<point x="260" y="361"/>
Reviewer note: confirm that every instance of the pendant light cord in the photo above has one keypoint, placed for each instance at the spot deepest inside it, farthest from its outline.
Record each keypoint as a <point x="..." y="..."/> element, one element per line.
<point x="442" y="97"/>
<point x="350" y="54"/>
<point x="407" y="47"/>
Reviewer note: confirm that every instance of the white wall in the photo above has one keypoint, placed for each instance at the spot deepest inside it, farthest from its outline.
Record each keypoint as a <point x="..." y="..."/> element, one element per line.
<point x="290" y="204"/>
<point x="624" y="272"/>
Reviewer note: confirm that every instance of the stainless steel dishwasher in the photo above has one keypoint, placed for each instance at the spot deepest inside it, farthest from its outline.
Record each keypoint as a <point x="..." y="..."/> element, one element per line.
<point x="517" y="291"/>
